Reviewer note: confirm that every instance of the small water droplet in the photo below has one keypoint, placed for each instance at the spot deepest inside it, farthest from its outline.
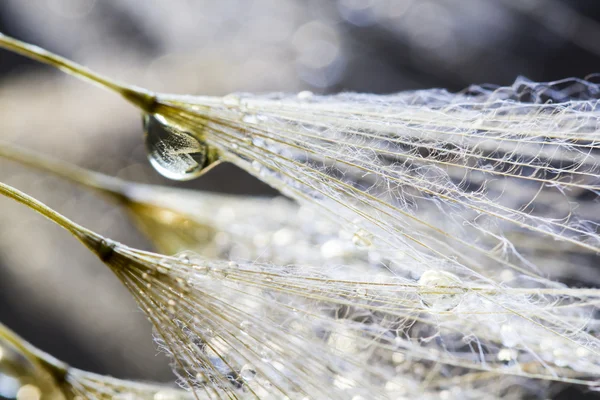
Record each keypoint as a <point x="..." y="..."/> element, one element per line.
<point x="201" y="269"/>
<point x="440" y="290"/>
<point x="250" y="119"/>
<point x="173" y="153"/>
<point x="258" y="141"/>
<point x="248" y="372"/>
<point x="305" y="95"/>
<point x="217" y="273"/>
<point x="256" y="165"/>
<point x="362" y="239"/>
<point x="509" y="335"/>
<point x="266" y="355"/>
<point x="245" y="326"/>
<point x="232" y="100"/>
<point x="361" y="291"/>
<point x="507" y="355"/>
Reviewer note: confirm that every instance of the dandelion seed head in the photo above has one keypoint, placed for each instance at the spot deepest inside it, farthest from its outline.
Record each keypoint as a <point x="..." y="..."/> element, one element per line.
<point x="448" y="191"/>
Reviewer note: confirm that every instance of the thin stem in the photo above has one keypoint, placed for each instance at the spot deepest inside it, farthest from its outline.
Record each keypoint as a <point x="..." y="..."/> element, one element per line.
<point x="112" y="186"/>
<point x="140" y="97"/>
<point x="55" y="367"/>
<point x="40" y="207"/>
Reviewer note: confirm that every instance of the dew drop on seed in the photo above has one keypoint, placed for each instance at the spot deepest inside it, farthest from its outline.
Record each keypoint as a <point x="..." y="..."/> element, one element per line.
<point x="217" y="273"/>
<point x="438" y="290"/>
<point x="362" y="239"/>
<point x="250" y="119"/>
<point x="248" y="372"/>
<point x="173" y="153"/>
<point x="245" y="326"/>
<point x="509" y="335"/>
<point x="232" y="100"/>
<point x="305" y="95"/>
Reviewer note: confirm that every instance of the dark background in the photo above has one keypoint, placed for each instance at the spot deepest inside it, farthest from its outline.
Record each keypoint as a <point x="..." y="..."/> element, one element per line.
<point x="216" y="47"/>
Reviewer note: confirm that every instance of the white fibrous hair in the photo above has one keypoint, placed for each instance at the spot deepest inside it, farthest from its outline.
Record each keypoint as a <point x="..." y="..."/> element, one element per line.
<point x="472" y="215"/>
<point x="261" y="330"/>
<point x="490" y="194"/>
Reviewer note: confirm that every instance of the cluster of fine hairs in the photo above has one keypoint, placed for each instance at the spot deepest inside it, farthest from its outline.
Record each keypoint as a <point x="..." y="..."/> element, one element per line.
<point x="424" y="256"/>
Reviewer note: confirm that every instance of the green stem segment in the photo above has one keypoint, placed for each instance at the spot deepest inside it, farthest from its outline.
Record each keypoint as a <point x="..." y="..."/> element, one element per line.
<point x="140" y="97"/>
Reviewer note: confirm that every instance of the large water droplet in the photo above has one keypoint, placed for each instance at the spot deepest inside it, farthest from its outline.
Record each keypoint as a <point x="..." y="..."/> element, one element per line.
<point x="173" y="153"/>
<point x="440" y="290"/>
<point x="248" y="372"/>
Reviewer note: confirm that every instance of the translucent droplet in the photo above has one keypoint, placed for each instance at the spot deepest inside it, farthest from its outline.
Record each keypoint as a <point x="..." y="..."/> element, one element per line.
<point x="509" y="335"/>
<point x="248" y="372"/>
<point x="245" y="326"/>
<point x="256" y="166"/>
<point x="362" y="239"/>
<point x="173" y="153"/>
<point x="217" y="273"/>
<point x="305" y="95"/>
<point x="29" y="392"/>
<point x="266" y="355"/>
<point x="507" y="355"/>
<point x="232" y="100"/>
<point x="440" y="290"/>
<point x="250" y="119"/>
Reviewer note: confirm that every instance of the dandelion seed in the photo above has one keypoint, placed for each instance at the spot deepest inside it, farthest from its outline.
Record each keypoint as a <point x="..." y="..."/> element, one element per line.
<point x="317" y="328"/>
<point x="39" y="376"/>
<point x="453" y="182"/>
<point x="425" y="172"/>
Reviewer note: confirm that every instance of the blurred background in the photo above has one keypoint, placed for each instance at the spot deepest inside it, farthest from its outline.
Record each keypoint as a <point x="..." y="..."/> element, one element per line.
<point x="53" y="291"/>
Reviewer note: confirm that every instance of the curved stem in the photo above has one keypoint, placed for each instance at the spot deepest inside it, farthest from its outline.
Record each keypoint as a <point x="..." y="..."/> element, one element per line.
<point x="112" y="186"/>
<point x="141" y="98"/>
<point x="55" y="367"/>
<point x="40" y="207"/>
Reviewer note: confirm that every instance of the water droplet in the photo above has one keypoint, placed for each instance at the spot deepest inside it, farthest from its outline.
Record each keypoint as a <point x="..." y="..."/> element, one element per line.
<point x="362" y="239"/>
<point x="201" y="269"/>
<point x="305" y="95"/>
<point x="248" y="372"/>
<point x="258" y="141"/>
<point x="507" y="355"/>
<point x="256" y="165"/>
<point x="266" y="355"/>
<point x="29" y="392"/>
<point x="217" y="273"/>
<point x="250" y="119"/>
<point x="245" y="326"/>
<point x="440" y="290"/>
<point x="173" y="153"/>
<point x="509" y="335"/>
<point x="232" y="100"/>
<point x="361" y="291"/>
